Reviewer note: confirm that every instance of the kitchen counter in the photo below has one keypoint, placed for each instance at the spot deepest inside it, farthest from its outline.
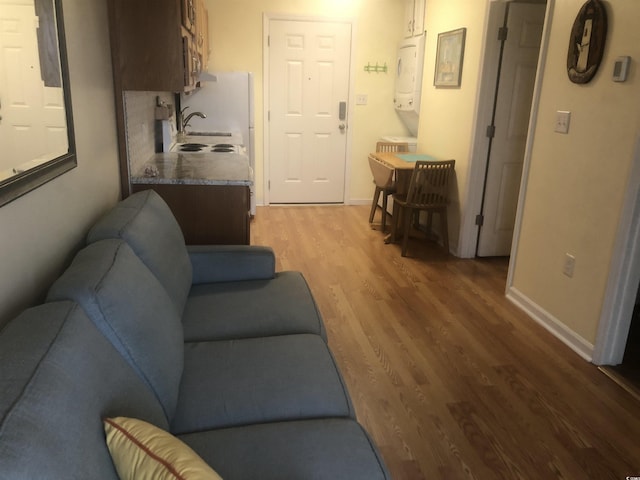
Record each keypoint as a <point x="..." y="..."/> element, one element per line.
<point x="209" y="194"/>
<point x="195" y="169"/>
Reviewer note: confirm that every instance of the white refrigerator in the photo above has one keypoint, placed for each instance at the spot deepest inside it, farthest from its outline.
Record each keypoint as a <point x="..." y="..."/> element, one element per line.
<point x="226" y="98"/>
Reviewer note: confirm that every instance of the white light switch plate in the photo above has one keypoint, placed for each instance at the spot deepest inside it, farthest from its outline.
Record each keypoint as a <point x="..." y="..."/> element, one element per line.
<point x="562" y="121"/>
<point x="361" y="99"/>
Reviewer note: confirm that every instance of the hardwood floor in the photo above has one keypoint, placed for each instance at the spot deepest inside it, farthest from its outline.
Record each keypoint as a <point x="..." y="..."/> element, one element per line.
<point x="451" y="380"/>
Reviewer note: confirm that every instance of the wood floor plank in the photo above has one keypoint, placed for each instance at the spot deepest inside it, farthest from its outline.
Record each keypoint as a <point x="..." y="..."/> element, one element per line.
<point x="450" y="378"/>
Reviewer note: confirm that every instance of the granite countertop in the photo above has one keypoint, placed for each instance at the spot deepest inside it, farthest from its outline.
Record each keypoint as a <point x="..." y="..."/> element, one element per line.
<point x="195" y="169"/>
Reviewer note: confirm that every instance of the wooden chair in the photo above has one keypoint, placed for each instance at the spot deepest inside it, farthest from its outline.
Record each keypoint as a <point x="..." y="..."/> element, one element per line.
<point x="383" y="178"/>
<point x="428" y="191"/>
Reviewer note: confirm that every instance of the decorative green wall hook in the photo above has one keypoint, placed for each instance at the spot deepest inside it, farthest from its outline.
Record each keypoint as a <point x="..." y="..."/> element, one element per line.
<point x="375" y="68"/>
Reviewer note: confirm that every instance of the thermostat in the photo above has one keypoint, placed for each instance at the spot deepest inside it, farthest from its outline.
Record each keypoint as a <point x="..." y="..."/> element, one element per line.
<point x="621" y="68"/>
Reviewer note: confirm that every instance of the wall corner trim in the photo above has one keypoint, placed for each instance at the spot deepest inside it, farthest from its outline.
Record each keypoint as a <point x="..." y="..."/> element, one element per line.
<point x="567" y="336"/>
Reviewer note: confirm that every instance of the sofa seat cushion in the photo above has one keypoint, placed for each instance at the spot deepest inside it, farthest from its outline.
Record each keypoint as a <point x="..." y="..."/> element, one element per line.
<point x="239" y="382"/>
<point x="280" y="306"/>
<point x="325" y="449"/>
<point x="130" y="307"/>
<point x="59" y="376"/>
<point x="146" y="223"/>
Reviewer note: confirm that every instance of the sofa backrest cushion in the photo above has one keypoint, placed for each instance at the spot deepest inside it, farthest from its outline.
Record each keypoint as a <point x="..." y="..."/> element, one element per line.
<point x="146" y="223"/>
<point x="59" y="377"/>
<point x="129" y="306"/>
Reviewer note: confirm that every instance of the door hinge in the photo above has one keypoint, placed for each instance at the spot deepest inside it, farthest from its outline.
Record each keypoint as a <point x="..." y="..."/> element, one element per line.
<point x="268" y="40"/>
<point x="491" y="131"/>
<point x="503" y="32"/>
<point x="479" y="220"/>
<point x="268" y="184"/>
<point x="268" y="115"/>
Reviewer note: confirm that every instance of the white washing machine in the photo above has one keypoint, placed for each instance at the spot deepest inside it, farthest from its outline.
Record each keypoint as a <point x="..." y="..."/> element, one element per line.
<point x="412" y="141"/>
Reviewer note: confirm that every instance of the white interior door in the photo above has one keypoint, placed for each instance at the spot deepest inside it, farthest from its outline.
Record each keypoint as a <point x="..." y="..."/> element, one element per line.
<point x="308" y="79"/>
<point x="513" y="106"/>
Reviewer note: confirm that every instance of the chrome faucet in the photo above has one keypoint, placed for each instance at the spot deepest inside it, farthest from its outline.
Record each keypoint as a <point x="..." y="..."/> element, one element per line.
<point x="184" y="121"/>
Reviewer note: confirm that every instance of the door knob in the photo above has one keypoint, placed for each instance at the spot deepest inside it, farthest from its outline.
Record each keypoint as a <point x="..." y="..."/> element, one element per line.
<point x="342" y="126"/>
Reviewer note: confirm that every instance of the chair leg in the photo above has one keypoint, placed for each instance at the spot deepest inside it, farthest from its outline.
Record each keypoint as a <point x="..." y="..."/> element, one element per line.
<point x="374" y="204"/>
<point x="445" y="229"/>
<point x="384" y="210"/>
<point x="395" y="222"/>
<point x="407" y="226"/>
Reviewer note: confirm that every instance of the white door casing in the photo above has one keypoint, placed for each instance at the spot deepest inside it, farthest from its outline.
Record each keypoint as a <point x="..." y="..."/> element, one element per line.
<point x="624" y="276"/>
<point x="513" y="106"/>
<point x="309" y="65"/>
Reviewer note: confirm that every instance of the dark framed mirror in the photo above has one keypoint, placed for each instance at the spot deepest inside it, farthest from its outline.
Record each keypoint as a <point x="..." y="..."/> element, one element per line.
<point x="37" y="140"/>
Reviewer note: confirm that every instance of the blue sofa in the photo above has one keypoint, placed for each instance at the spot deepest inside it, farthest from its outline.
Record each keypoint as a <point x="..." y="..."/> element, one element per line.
<point x="209" y="343"/>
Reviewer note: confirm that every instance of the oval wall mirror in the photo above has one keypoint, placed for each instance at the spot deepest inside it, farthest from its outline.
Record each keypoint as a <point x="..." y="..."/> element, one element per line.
<point x="36" y="125"/>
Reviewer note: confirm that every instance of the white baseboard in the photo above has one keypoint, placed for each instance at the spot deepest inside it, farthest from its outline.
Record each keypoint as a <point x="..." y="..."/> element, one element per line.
<point x="358" y="201"/>
<point x="567" y="336"/>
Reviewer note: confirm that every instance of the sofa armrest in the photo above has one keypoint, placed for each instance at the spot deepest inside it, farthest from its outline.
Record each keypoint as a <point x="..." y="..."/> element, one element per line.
<point x="228" y="263"/>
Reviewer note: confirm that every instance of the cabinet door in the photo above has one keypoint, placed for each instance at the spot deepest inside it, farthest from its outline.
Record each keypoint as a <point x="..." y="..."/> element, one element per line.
<point x="188" y="64"/>
<point x="205" y="47"/>
<point x="418" y="17"/>
<point x="208" y="214"/>
<point x="188" y="10"/>
<point x="146" y="44"/>
<point x="414" y="17"/>
<point x="202" y="33"/>
<point x="408" y="18"/>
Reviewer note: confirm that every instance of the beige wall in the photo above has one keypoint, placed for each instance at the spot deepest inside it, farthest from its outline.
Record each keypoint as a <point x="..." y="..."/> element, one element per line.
<point x="447" y="114"/>
<point x="236" y="31"/>
<point x="41" y="230"/>
<point x="577" y="181"/>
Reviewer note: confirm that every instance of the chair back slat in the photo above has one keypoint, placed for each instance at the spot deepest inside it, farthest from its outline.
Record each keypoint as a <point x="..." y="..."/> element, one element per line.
<point x="392" y="147"/>
<point x="429" y="185"/>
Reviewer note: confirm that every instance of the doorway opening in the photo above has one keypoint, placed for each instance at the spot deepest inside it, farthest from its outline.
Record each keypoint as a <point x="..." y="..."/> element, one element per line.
<point x="519" y="37"/>
<point x="629" y="370"/>
<point x="627" y="373"/>
<point x="617" y="341"/>
<point x="468" y="240"/>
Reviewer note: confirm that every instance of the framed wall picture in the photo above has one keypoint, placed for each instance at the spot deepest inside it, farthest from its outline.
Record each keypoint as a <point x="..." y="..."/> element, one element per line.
<point x="449" y="57"/>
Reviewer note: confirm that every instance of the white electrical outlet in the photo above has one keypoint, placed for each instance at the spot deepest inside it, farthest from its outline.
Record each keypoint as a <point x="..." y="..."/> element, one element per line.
<point x="361" y="99"/>
<point x="562" y="121"/>
<point x="569" y="265"/>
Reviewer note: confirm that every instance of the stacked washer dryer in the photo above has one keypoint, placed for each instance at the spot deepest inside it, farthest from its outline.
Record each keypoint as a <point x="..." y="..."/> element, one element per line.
<point x="408" y="88"/>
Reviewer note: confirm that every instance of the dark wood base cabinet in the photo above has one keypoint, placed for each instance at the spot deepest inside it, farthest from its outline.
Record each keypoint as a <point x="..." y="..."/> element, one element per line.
<point x="208" y="214"/>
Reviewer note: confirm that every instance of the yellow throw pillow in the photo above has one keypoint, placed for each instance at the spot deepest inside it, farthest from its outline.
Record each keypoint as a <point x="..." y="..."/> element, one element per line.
<point x="143" y="451"/>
